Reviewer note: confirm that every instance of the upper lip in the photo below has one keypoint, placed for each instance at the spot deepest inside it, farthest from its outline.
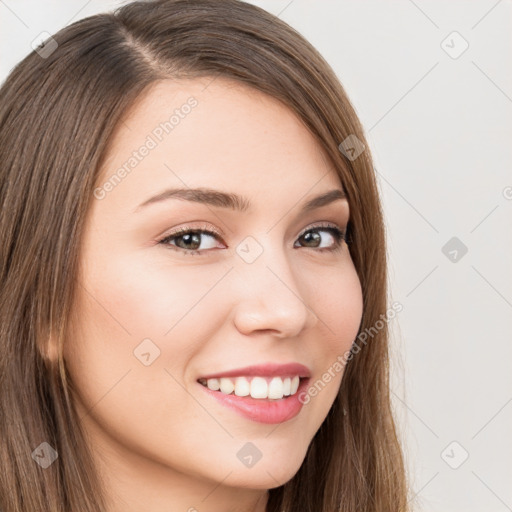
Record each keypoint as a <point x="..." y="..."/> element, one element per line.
<point x="264" y="370"/>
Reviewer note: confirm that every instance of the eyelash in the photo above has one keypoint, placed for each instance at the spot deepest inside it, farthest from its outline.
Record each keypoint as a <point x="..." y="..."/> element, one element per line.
<point x="338" y="234"/>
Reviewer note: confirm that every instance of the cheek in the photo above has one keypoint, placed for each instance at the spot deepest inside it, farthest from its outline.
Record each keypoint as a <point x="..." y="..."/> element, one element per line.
<point x="151" y="297"/>
<point x="337" y="300"/>
<point x="142" y="317"/>
<point x="121" y="325"/>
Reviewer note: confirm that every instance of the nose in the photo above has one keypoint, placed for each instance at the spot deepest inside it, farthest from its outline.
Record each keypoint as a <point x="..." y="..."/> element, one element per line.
<point x="268" y="296"/>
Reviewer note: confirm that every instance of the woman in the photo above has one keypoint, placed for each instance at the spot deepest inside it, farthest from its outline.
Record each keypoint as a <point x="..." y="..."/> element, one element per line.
<point x="192" y="245"/>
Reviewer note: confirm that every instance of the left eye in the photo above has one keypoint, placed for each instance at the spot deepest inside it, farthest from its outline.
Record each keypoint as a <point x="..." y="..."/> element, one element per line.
<point x="188" y="241"/>
<point x="312" y="236"/>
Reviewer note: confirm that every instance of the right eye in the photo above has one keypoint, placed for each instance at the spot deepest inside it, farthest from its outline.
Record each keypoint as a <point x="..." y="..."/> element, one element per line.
<point x="188" y="240"/>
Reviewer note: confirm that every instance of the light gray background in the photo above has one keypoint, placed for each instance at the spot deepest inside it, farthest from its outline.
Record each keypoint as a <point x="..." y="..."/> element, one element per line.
<point x="439" y="128"/>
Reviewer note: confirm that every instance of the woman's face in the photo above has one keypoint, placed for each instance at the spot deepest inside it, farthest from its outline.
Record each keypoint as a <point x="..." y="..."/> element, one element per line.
<point x="156" y="312"/>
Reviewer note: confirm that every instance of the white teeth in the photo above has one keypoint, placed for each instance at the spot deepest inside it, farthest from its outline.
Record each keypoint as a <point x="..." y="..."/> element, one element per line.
<point x="259" y="388"/>
<point x="287" y="386"/>
<point x="242" y="387"/>
<point x="274" y="388"/>
<point x="294" y="385"/>
<point x="226" y="386"/>
<point x="213" y="384"/>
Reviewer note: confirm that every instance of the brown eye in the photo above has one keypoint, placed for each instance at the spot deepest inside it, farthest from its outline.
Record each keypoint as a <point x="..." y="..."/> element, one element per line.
<point x="313" y="239"/>
<point x="189" y="240"/>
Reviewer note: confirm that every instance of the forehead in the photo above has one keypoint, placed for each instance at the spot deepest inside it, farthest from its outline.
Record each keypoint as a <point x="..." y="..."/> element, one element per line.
<point x="214" y="133"/>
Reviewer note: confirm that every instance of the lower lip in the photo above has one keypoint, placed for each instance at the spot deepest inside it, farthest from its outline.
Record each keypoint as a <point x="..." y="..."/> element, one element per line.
<point x="262" y="410"/>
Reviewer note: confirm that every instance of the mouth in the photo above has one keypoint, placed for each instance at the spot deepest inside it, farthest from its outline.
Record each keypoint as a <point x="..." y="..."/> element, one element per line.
<point x="254" y="386"/>
<point x="258" y="398"/>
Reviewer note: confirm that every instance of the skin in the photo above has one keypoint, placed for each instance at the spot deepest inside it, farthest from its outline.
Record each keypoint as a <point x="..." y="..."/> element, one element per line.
<point x="160" y="442"/>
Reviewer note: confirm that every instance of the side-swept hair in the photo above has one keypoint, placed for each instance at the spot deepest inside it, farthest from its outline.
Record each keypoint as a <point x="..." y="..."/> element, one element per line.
<point x="57" y="116"/>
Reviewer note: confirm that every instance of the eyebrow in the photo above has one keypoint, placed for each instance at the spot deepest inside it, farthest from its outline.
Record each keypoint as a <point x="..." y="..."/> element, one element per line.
<point x="233" y="201"/>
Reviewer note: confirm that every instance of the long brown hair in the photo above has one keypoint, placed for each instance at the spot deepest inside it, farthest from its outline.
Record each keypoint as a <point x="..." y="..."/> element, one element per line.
<point x="57" y="115"/>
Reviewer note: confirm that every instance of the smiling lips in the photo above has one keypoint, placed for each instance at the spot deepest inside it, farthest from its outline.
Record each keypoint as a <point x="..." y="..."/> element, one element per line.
<point x="268" y="381"/>
<point x="273" y="388"/>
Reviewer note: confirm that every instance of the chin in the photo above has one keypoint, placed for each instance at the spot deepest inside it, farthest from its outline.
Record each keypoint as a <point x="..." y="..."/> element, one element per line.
<point x="264" y="476"/>
<point x="261" y="480"/>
